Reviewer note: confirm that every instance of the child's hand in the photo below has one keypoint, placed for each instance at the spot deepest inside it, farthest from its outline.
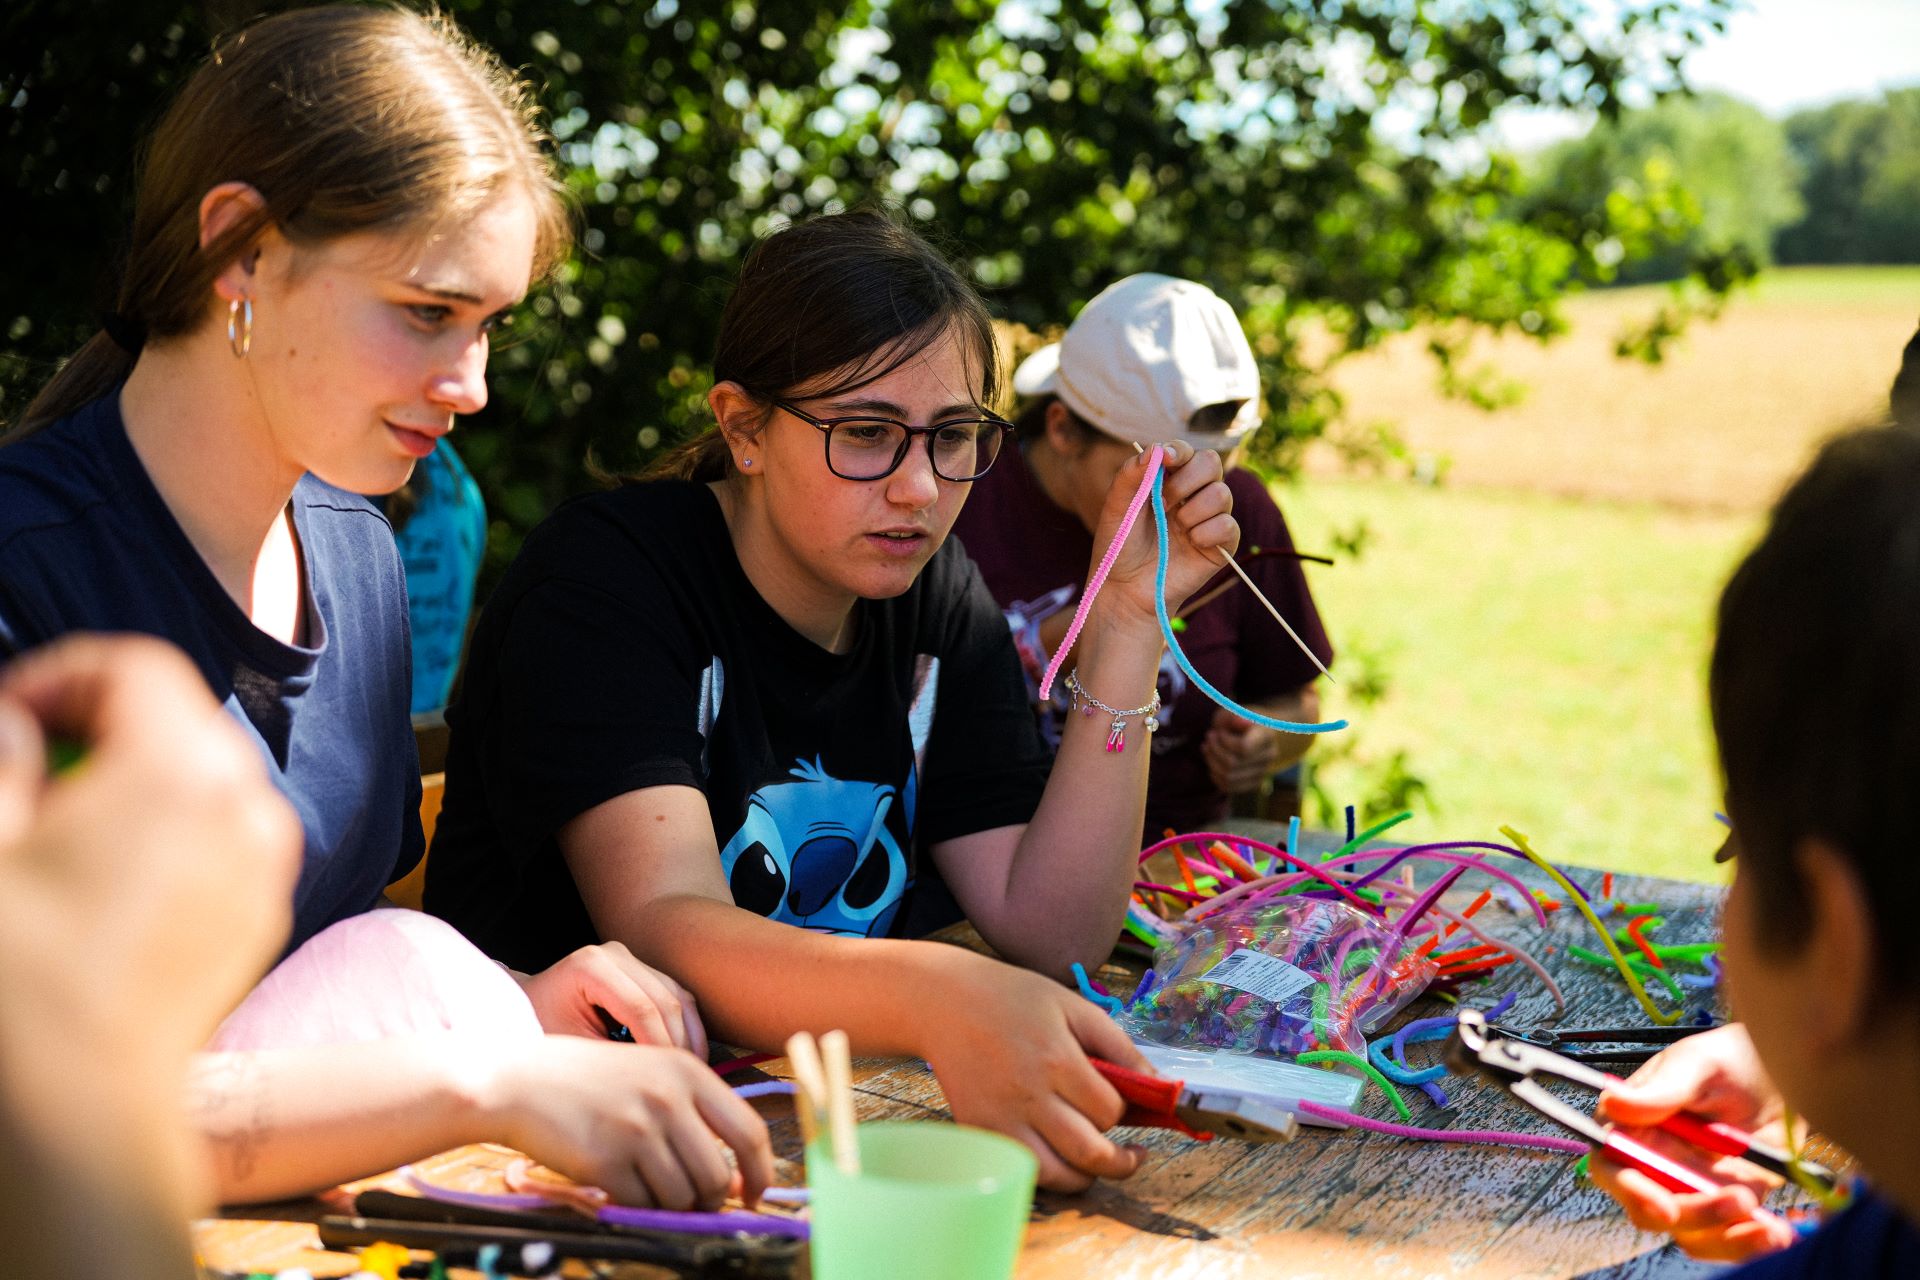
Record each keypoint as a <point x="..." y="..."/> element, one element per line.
<point x="646" y="1124"/>
<point x="1717" y="1076"/>
<point x="1201" y="532"/>
<point x="655" y="1008"/>
<point x="1239" y="754"/>
<point x="1010" y="1049"/>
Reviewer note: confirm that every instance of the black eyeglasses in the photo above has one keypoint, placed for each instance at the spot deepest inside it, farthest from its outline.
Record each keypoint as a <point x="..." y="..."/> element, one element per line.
<point x="871" y="448"/>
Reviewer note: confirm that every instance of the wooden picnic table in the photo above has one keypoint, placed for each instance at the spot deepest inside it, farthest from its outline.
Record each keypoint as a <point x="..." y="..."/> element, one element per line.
<point x="1336" y="1204"/>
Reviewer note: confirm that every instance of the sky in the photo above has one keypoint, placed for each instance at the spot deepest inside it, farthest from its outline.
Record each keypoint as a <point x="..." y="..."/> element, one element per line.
<point x="1782" y="55"/>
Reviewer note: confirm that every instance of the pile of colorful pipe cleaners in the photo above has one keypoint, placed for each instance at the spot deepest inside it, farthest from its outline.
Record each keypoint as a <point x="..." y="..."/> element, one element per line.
<point x="1308" y="980"/>
<point x="1400" y="934"/>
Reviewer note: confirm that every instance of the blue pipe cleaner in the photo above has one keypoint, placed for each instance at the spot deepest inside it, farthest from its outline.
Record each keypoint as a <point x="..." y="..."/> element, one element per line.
<point x="1173" y="641"/>
<point x="1110" y="1003"/>
<point x="1394" y="1071"/>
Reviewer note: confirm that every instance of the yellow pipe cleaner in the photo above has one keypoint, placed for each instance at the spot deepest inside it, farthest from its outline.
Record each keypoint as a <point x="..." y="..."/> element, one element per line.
<point x="1574" y="896"/>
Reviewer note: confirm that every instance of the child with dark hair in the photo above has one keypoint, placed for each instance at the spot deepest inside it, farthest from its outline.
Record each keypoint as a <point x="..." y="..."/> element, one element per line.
<point x="1150" y="359"/>
<point x="1815" y="690"/>
<point x="737" y="716"/>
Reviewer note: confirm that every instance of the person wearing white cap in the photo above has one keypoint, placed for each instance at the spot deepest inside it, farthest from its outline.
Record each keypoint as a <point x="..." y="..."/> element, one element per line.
<point x="1152" y="359"/>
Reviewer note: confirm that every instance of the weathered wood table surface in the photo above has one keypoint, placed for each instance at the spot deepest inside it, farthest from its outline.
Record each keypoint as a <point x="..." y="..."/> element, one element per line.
<point x="1331" y="1204"/>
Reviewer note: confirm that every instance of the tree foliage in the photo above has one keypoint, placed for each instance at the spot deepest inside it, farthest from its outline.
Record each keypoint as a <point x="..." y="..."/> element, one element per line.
<point x="1690" y="181"/>
<point x="1861" y="162"/>
<point x="1316" y="161"/>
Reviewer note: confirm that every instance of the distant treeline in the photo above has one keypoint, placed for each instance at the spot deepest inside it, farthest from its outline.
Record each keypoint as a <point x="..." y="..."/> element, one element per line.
<point x="1712" y="175"/>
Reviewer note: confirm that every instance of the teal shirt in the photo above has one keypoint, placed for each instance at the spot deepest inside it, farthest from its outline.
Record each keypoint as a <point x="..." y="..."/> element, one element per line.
<point x="441" y="546"/>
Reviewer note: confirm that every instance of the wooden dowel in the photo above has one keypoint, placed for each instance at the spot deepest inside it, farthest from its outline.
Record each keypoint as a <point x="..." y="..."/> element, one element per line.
<point x="811" y="1079"/>
<point x="837" y="1054"/>
<point x="1261" y="596"/>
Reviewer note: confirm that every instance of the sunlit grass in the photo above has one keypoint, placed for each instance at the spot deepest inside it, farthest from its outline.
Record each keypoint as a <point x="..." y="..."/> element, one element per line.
<point x="1545" y="659"/>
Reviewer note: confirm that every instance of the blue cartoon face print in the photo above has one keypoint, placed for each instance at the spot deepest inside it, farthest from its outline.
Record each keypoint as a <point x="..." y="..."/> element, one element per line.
<point x="815" y="851"/>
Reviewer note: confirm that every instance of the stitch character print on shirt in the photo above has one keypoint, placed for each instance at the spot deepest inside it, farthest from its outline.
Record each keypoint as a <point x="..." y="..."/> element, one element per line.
<point x="817" y="851"/>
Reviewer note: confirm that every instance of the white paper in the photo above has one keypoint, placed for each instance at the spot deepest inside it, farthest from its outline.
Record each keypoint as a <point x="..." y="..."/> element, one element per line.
<point x="1280" y="1084"/>
<point x="1262" y="975"/>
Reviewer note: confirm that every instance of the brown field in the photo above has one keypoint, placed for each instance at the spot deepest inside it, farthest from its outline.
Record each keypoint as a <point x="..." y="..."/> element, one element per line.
<point x="1734" y="411"/>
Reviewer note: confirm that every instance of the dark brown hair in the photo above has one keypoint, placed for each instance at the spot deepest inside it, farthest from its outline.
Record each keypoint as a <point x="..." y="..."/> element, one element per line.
<point x="1210" y="419"/>
<point x="1031" y="423"/>
<point x="1815" y="690"/>
<point x="345" y="118"/>
<point x="829" y="305"/>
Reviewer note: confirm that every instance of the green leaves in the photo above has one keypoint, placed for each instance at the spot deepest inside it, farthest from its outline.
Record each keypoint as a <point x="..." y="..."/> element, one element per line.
<point x="1315" y="161"/>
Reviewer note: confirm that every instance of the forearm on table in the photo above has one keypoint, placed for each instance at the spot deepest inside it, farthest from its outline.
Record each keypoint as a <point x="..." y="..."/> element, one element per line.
<point x="286" y="1122"/>
<point x="758" y="981"/>
<point x="1066" y="886"/>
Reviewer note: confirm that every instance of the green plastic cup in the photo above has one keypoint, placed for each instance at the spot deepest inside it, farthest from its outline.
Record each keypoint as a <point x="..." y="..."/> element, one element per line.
<point x="934" y="1201"/>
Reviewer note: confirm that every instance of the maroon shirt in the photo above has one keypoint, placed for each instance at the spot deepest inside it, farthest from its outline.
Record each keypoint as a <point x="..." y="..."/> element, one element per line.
<point x="1034" y="557"/>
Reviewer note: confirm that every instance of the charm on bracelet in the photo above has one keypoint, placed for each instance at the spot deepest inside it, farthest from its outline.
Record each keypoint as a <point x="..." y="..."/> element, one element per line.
<point x="1080" y="700"/>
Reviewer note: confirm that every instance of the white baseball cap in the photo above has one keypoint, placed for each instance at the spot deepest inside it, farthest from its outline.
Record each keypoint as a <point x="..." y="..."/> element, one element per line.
<point x="1144" y="356"/>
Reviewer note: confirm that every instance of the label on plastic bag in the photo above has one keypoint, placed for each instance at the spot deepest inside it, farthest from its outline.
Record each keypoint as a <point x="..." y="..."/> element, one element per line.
<point x="1265" y="976"/>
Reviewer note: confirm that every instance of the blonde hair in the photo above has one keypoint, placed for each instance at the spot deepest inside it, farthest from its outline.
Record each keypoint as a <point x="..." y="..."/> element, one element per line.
<point x="345" y="118"/>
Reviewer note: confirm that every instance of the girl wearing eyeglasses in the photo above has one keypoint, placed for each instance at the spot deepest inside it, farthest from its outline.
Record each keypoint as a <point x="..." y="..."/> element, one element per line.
<point x="756" y="716"/>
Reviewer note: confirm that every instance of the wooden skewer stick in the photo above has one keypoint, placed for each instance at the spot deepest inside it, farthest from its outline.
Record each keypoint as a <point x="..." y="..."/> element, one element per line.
<point x="811" y="1078"/>
<point x="837" y="1053"/>
<point x="1261" y="596"/>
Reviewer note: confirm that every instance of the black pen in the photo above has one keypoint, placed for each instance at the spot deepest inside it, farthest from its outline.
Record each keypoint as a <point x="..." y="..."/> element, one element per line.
<point x="735" y="1255"/>
<point x="344" y="1234"/>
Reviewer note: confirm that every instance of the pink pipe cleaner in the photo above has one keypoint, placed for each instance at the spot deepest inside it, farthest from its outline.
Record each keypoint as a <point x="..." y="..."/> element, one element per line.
<point x="1487" y="1137"/>
<point x="1281" y="854"/>
<point x="1260" y="888"/>
<point x="1099" y="578"/>
<point x="1539" y="970"/>
<point x="1461" y="859"/>
<point x="1169" y="889"/>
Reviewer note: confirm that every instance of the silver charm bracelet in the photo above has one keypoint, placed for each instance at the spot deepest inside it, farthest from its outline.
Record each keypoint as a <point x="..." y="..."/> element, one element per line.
<point x="1080" y="700"/>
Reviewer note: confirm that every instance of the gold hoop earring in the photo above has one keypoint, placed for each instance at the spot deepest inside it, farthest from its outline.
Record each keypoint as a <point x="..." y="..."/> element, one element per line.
<point x="240" y="327"/>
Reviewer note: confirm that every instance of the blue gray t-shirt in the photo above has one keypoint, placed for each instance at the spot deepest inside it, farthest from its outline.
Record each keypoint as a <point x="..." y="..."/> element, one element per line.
<point x="88" y="544"/>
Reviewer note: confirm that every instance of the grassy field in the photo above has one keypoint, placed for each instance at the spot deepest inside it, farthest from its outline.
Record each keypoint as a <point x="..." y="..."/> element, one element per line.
<point x="1543" y="615"/>
<point x="1545" y="661"/>
<point x="1733" y="412"/>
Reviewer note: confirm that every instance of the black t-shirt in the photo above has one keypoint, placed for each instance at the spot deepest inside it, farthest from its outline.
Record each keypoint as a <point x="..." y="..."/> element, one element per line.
<point x="626" y="648"/>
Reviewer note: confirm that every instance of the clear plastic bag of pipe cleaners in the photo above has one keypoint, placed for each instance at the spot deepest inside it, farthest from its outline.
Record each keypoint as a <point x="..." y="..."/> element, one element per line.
<point x="1278" y="977"/>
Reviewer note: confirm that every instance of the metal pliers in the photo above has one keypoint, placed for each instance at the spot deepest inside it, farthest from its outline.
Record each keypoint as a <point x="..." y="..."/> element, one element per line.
<point x="1651" y="1039"/>
<point x="1155" y="1102"/>
<point x="1519" y="1066"/>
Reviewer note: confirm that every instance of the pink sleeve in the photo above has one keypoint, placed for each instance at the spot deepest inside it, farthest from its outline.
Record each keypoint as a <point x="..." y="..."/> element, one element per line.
<point x="378" y="976"/>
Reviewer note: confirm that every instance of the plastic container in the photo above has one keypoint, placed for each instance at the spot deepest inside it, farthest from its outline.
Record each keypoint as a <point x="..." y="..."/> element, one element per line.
<point x="933" y="1201"/>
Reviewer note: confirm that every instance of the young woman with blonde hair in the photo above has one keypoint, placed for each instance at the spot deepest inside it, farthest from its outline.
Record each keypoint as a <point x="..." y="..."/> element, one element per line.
<point x="331" y="221"/>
